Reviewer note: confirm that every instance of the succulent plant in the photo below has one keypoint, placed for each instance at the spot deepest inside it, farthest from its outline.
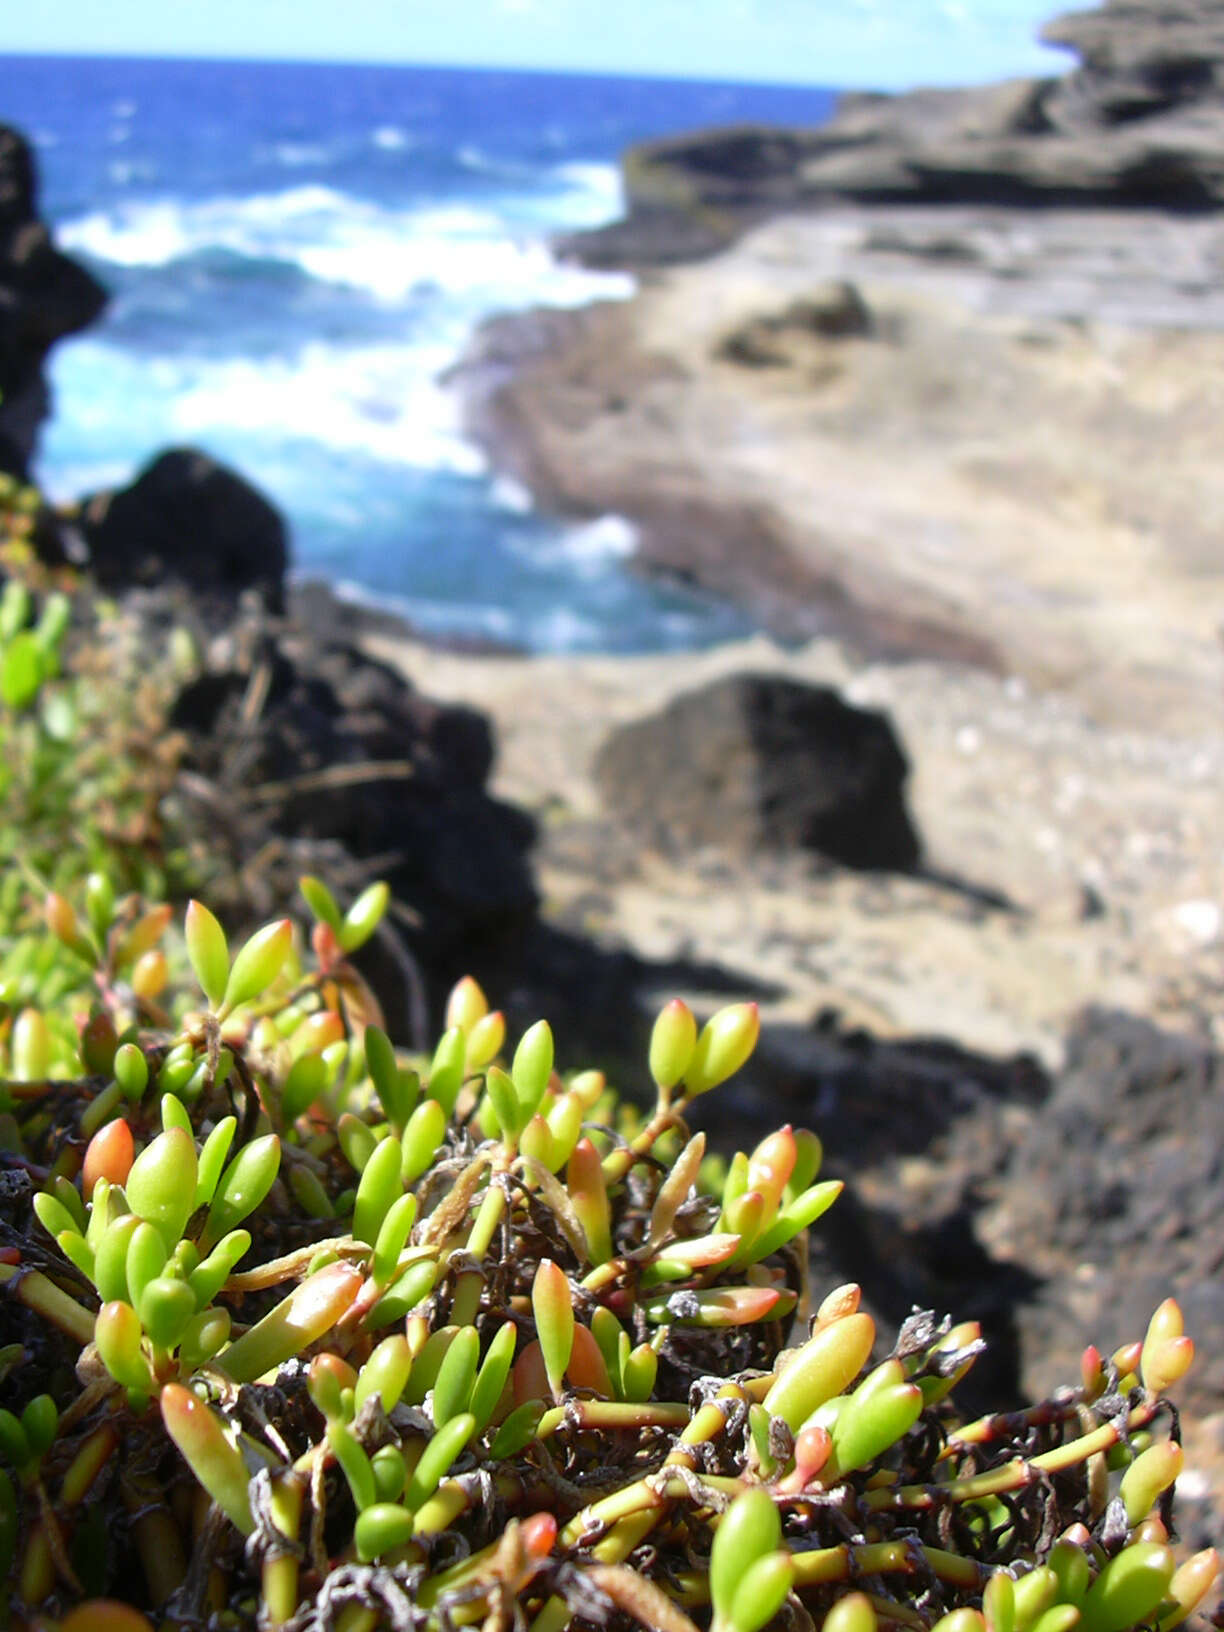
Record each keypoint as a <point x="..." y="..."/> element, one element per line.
<point x="306" y="1331"/>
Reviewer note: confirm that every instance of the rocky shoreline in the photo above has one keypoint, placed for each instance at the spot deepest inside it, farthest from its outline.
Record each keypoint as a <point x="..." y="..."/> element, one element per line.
<point x="958" y="433"/>
<point x="959" y="459"/>
<point x="934" y="393"/>
<point x="941" y="378"/>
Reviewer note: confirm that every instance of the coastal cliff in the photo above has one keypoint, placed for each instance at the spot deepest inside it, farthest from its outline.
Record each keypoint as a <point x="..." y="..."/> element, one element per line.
<point x="1138" y="121"/>
<point x="949" y="385"/>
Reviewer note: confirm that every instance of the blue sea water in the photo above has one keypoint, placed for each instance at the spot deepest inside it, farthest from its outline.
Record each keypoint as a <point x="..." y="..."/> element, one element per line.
<point x="296" y="254"/>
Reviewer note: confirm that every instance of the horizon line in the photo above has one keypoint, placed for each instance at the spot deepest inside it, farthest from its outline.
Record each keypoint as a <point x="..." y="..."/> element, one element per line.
<point x="53" y="54"/>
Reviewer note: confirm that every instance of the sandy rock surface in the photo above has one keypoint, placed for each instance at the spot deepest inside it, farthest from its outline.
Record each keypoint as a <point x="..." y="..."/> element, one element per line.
<point x="979" y="448"/>
<point x="1017" y="462"/>
<point x="1103" y="842"/>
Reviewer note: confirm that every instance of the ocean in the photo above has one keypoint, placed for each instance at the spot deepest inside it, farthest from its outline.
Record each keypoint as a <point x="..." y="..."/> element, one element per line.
<point x="296" y="254"/>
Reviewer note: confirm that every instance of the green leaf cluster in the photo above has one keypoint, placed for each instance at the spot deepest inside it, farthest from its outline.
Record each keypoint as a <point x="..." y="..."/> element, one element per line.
<point x="453" y="1317"/>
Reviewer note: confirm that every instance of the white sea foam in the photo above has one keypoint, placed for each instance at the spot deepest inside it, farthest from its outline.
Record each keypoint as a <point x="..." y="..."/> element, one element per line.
<point x="543" y="628"/>
<point x="379" y="402"/>
<point x="125" y="171"/>
<point x="475" y="158"/>
<point x="440" y="617"/>
<point x="391" y="138"/>
<point x="595" y="190"/>
<point x="294" y="155"/>
<point x="607" y="538"/>
<point x="155" y="232"/>
<point x="390" y="254"/>
<point x="512" y="496"/>
<point x="438" y="269"/>
<point x="561" y="629"/>
<point x="587" y="549"/>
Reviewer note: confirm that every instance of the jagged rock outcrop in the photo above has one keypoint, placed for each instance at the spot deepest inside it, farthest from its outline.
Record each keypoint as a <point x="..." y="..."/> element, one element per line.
<point x="43" y="297"/>
<point x="1138" y="122"/>
<point x="187" y="519"/>
<point x="304" y="754"/>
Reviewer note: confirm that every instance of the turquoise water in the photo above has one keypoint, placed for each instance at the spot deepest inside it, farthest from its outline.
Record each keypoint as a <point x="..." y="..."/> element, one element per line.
<point x="296" y="254"/>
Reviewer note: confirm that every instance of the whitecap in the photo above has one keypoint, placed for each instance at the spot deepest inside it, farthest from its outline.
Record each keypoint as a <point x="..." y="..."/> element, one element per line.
<point x="125" y="171"/>
<point x="471" y="157"/>
<point x="572" y="195"/>
<point x="293" y="155"/>
<point x="511" y="495"/>
<point x="561" y="629"/>
<point x="391" y="138"/>
<point x="388" y="253"/>
<point x="451" y="249"/>
<point x="439" y="268"/>
<point x="608" y="538"/>
<point x="599" y="187"/>
<point x="378" y="403"/>
<point x="470" y="619"/>
<point x="588" y="549"/>
<point x="155" y="232"/>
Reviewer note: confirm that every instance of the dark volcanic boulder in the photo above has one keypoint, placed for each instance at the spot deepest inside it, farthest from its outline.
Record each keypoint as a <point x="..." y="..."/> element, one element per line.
<point x="186" y="519"/>
<point x="43" y="297"/>
<point x="758" y="762"/>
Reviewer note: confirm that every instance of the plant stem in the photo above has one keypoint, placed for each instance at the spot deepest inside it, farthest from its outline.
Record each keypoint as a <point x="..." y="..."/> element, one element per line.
<point x="1012" y="1475"/>
<point x="34" y="1289"/>
<point x="487" y="1219"/>
<point x="618" y="1162"/>
<point x="157" y="1536"/>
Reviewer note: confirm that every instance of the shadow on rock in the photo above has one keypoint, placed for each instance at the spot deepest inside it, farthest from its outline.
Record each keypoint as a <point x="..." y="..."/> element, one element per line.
<point x="1115" y="1195"/>
<point x="600" y="1001"/>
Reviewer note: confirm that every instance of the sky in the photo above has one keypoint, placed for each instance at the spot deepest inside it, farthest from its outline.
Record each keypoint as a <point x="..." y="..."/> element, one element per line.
<point x="869" y="43"/>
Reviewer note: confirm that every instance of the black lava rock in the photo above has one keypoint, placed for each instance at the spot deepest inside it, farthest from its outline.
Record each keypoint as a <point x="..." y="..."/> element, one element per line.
<point x="189" y="520"/>
<point x="756" y="762"/>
